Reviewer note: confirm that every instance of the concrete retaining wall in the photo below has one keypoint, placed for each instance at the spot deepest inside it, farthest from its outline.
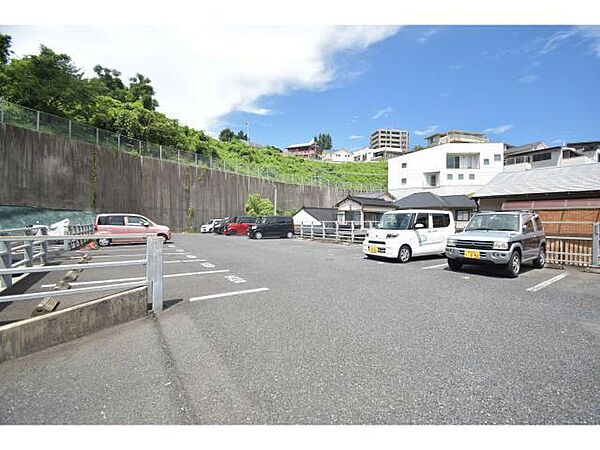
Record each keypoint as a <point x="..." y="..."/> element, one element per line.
<point x="31" y="335"/>
<point x="48" y="171"/>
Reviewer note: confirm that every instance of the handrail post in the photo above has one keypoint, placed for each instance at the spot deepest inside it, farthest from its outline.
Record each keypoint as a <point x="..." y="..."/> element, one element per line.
<point x="596" y="246"/>
<point x="323" y="229"/>
<point x="312" y="226"/>
<point x="352" y="231"/>
<point x="6" y="263"/>
<point x="301" y="229"/>
<point x="45" y="246"/>
<point x="337" y="231"/>
<point x="154" y="271"/>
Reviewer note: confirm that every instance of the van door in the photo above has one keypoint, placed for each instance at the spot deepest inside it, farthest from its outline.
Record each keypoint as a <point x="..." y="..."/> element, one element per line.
<point x="115" y="225"/>
<point x="440" y="231"/>
<point x="136" y="225"/>
<point x="530" y="240"/>
<point x="423" y="234"/>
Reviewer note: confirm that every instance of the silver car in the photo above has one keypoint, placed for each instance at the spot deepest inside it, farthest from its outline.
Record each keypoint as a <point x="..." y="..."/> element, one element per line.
<point x="503" y="238"/>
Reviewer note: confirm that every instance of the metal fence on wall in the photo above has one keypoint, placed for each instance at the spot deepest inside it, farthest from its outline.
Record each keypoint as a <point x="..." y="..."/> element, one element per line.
<point x="39" y="121"/>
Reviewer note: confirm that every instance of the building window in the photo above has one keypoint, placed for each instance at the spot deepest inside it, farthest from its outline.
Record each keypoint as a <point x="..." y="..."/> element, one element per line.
<point x="352" y="216"/>
<point x="471" y="176"/>
<point x="460" y="176"/>
<point x="486" y="162"/>
<point x="463" y="215"/>
<point x="449" y="176"/>
<point x="497" y="157"/>
<point x="452" y="162"/>
<point x="403" y="181"/>
<point x="542" y="156"/>
<point x="404" y="165"/>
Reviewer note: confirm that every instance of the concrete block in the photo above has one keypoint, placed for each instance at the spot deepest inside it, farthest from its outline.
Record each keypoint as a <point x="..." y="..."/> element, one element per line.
<point x="31" y="335"/>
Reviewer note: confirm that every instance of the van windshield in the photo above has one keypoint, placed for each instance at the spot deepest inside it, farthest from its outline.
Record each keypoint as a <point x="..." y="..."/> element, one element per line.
<point x="395" y="221"/>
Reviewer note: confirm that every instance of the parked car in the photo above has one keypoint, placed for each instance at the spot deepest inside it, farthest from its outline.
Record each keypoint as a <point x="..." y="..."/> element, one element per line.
<point x="504" y="239"/>
<point x="106" y="225"/>
<point x="400" y="235"/>
<point x="209" y="226"/>
<point x="272" y="226"/>
<point x="220" y="228"/>
<point x="239" y="226"/>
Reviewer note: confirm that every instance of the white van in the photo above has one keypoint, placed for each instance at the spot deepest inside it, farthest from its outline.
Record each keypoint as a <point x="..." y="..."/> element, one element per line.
<point x="406" y="233"/>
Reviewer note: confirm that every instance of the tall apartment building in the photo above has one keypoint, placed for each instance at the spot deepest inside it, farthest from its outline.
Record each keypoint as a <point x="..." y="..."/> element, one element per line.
<point x="388" y="138"/>
<point x="456" y="136"/>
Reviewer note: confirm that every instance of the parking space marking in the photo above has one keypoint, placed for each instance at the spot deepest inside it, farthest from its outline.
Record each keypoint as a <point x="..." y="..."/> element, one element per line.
<point x="435" y="267"/>
<point x="191" y="256"/>
<point x="187" y="261"/>
<point x="546" y="283"/>
<point x="206" y="264"/>
<point x="120" y="255"/>
<point x="116" y="280"/>
<point x="228" y="294"/>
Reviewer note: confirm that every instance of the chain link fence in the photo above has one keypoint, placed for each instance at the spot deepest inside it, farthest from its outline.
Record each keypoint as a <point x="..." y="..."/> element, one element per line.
<point x="21" y="116"/>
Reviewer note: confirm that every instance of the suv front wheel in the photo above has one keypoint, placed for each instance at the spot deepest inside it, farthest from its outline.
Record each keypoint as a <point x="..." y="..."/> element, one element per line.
<point x="454" y="265"/>
<point x="514" y="265"/>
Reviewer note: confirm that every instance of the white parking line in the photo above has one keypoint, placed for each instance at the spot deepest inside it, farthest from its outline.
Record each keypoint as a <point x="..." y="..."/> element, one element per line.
<point x="434" y="267"/>
<point x="187" y="261"/>
<point x="122" y="255"/>
<point x="546" y="283"/>
<point x="191" y="256"/>
<point x="116" y="280"/>
<point x="228" y="294"/>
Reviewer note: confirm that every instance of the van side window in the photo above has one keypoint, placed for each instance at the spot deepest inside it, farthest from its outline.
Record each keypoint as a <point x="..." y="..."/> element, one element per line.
<point x="135" y="220"/>
<point x="115" y="220"/>
<point x="440" y="220"/>
<point x="423" y="219"/>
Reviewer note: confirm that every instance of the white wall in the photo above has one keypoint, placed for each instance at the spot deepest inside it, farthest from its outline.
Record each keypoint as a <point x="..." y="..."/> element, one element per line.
<point x="433" y="159"/>
<point x="303" y="216"/>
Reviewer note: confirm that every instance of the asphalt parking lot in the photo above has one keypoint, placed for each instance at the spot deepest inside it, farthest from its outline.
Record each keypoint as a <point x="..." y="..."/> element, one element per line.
<point x="291" y="331"/>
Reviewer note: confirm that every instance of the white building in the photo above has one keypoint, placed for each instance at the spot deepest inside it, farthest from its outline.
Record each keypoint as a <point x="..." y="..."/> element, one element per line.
<point x="446" y="169"/>
<point x="376" y="154"/>
<point x="338" y="156"/>
<point x="389" y="138"/>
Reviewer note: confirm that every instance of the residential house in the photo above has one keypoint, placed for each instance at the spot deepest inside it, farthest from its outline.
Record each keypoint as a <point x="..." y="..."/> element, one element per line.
<point x="361" y="208"/>
<point x="566" y="197"/>
<point x="368" y="154"/>
<point x="462" y="206"/>
<point x="338" y="156"/>
<point x="456" y="136"/>
<point x="445" y="169"/>
<point x="538" y="154"/>
<point x="309" y="150"/>
<point x="314" y="215"/>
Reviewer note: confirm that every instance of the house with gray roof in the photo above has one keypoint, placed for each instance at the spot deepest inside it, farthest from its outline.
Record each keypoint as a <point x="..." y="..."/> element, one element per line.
<point x="462" y="206"/>
<point x="566" y="197"/>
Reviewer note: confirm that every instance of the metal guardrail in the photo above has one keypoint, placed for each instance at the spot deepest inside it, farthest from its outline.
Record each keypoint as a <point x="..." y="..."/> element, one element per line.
<point x="75" y="230"/>
<point x="23" y="117"/>
<point x="17" y="251"/>
<point x="153" y="262"/>
<point x="351" y="232"/>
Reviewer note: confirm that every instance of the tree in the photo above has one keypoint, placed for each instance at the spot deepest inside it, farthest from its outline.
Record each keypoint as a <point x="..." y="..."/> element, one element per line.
<point x="108" y="82"/>
<point x="258" y="206"/>
<point x="226" y="135"/>
<point x="140" y="89"/>
<point x="241" y="135"/>
<point x="417" y="148"/>
<point x="323" y="140"/>
<point x="5" y="51"/>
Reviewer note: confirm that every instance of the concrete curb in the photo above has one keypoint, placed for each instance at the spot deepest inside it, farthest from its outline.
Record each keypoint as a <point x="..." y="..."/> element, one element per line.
<point x="31" y="335"/>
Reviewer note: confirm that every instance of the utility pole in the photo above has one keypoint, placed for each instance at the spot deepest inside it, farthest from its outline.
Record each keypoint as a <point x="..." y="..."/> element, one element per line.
<point x="275" y="203"/>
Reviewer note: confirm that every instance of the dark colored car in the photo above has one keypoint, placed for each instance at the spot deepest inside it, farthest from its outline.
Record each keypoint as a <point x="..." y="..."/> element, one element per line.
<point x="220" y="229"/>
<point x="272" y="226"/>
<point x="239" y="226"/>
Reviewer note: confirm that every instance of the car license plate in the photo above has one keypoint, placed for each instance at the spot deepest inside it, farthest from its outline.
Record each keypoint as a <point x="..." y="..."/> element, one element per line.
<point x="472" y="254"/>
<point x="372" y="249"/>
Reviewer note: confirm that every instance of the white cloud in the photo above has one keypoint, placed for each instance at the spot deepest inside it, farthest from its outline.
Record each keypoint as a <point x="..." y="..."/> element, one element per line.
<point x="592" y="33"/>
<point x="203" y="73"/>
<point x="355" y="136"/>
<point x="426" y="35"/>
<point x="528" y="78"/>
<point x="501" y="129"/>
<point x="552" y="42"/>
<point x="430" y="129"/>
<point x="382" y="113"/>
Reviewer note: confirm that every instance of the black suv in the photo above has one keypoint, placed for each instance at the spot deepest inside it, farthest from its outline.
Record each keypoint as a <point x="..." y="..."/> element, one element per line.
<point x="272" y="226"/>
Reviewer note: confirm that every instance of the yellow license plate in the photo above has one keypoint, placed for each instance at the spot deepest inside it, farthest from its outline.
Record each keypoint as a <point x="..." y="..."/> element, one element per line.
<point x="472" y="254"/>
<point x="372" y="249"/>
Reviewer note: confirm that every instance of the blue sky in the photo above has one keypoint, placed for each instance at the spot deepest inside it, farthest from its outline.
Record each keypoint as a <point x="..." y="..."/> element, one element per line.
<point x="518" y="83"/>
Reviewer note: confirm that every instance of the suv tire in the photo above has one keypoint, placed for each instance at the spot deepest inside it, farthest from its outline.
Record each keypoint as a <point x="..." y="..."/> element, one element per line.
<point x="540" y="261"/>
<point x="404" y="254"/>
<point x="514" y="265"/>
<point x="290" y="235"/>
<point x="454" y="265"/>
<point x="258" y="235"/>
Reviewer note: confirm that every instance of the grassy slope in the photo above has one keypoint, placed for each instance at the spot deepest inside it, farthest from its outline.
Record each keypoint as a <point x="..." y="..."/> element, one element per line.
<point x="296" y="169"/>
